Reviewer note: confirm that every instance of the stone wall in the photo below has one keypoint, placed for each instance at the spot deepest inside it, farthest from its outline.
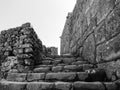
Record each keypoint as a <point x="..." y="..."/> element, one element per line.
<point x="93" y="30"/>
<point x="20" y="48"/>
<point x="65" y="38"/>
<point x="94" y="33"/>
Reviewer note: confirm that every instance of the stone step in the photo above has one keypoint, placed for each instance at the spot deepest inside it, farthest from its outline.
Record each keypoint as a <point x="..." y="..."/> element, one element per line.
<point x="66" y="61"/>
<point x="57" y="76"/>
<point x="62" y="68"/>
<point x="58" y="61"/>
<point x="60" y="56"/>
<point x="8" y="85"/>
<point x="74" y="61"/>
<point x="42" y="70"/>
<point x="79" y="62"/>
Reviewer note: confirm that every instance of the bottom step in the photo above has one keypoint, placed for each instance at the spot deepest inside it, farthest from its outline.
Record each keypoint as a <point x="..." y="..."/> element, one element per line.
<point x="8" y="85"/>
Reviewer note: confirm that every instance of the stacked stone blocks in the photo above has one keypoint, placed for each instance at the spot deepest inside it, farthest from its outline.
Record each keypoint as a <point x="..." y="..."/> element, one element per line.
<point x="21" y="45"/>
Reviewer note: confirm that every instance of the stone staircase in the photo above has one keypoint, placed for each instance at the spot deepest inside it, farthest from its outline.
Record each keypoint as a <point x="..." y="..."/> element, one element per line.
<point x="60" y="73"/>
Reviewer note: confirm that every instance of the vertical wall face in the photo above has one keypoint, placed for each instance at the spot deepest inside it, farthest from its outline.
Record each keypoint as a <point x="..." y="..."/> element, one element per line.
<point x="94" y="29"/>
<point x="19" y="47"/>
<point x="65" y="38"/>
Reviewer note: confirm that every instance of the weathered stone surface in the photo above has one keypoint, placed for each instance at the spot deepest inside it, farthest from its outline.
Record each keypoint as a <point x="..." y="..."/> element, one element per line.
<point x="40" y="86"/>
<point x="79" y="62"/>
<point x="68" y="60"/>
<point x="90" y="24"/>
<point x="88" y="86"/>
<point x="111" y="86"/>
<point x="82" y="76"/>
<point x="28" y="50"/>
<point x="110" y="68"/>
<point x="39" y="66"/>
<point x="96" y="75"/>
<point x="10" y="63"/>
<point x="87" y="66"/>
<point x="57" y="68"/>
<point x="63" y="86"/>
<point x="46" y="62"/>
<point x="41" y="69"/>
<point x="100" y="32"/>
<point x="55" y="62"/>
<point x="21" y="43"/>
<point x="65" y="38"/>
<point x="13" y="71"/>
<point x="109" y="50"/>
<point x="89" y="49"/>
<point x="118" y="73"/>
<point x="19" y="77"/>
<point x="6" y="85"/>
<point x="35" y="76"/>
<point x="72" y="68"/>
<point x="69" y="76"/>
<point x="112" y="23"/>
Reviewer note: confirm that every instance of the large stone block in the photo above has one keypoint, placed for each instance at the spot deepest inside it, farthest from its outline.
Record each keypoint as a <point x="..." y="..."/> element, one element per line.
<point x="72" y="68"/>
<point x="40" y="86"/>
<point x="88" y="86"/>
<point x="63" y="86"/>
<point x="111" y="86"/>
<point x="35" y="76"/>
<point x="18" y="77"/>
<point x="68" y="60"/>
<point x="41" y="70"/>
<point x="62" y="76"/>
<point x="57" y="68"/>
<point x="6" y="85"/>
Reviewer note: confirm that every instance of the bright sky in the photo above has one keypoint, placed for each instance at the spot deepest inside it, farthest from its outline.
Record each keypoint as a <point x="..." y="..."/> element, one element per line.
<point x="46" y="16"/>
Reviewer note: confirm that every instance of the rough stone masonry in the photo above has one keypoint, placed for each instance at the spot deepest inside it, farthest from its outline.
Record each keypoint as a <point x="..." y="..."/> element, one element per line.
<point x="20" y="48"/>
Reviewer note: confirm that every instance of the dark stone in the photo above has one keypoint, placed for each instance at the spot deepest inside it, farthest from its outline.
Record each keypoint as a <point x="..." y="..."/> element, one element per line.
<point x="96" y="75"/>
<point x="110" y="68"/>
